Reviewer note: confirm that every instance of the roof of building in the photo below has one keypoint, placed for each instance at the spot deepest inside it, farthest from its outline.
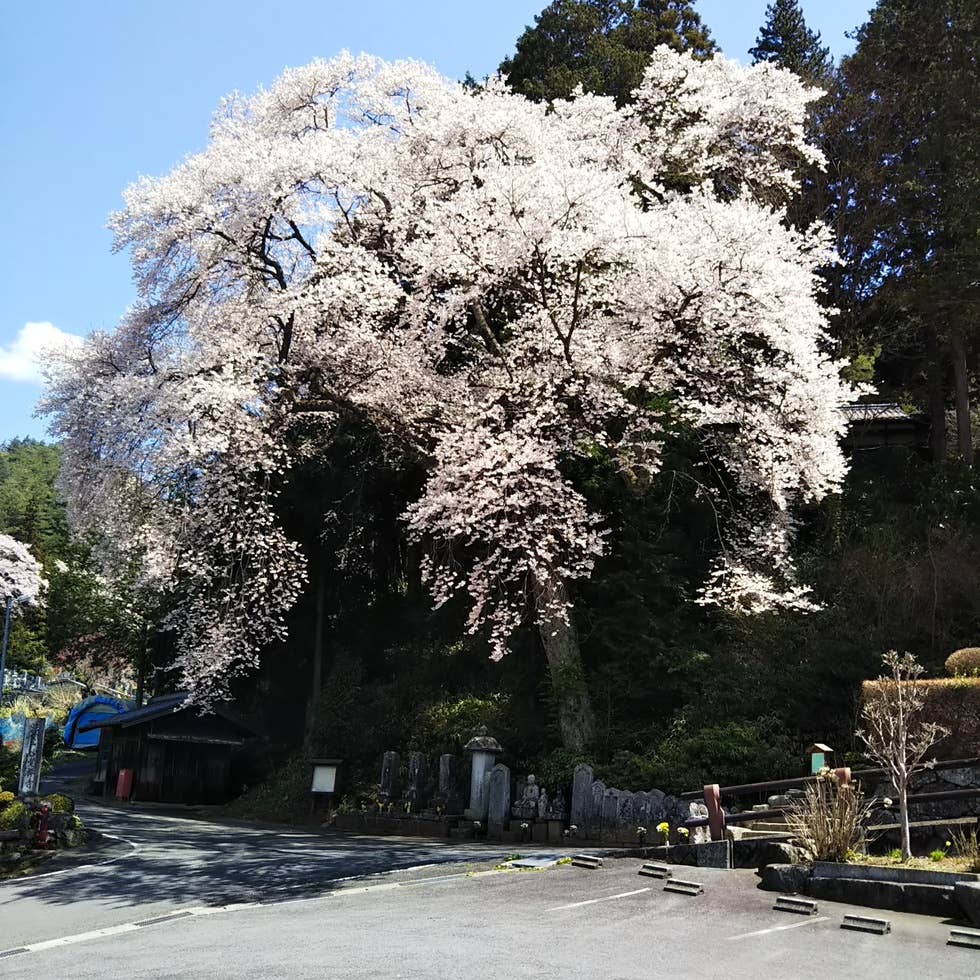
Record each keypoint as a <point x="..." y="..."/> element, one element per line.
<point x="875" y="412"/>
<point x="159" y="707"/>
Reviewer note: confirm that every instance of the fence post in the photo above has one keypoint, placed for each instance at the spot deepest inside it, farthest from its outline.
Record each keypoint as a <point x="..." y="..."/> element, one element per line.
<point x="843" y="776"/>
<point x="716" y="816"/>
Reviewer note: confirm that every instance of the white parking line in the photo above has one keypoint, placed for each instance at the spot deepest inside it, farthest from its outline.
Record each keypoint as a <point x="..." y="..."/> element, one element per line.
<point x="792" y="925"/>
<point x="593" y="901"/>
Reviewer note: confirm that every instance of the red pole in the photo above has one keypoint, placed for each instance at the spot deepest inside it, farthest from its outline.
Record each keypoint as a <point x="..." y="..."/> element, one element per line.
<point x="716" y="816"/>
<point x="42" y="831"/>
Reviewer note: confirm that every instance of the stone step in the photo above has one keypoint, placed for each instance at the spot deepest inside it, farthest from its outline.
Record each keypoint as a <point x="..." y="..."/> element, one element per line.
<point x="769" y="827"/>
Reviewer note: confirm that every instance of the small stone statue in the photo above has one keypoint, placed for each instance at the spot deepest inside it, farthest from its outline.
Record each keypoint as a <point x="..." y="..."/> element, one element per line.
<point x="556" y="807"/>
<point x="542" y="805"/>
<point x="527" y="806"/>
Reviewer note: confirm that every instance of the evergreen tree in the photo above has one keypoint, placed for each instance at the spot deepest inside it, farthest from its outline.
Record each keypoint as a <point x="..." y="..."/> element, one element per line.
<point x="907" y="132"/>
<point x="602" y="45"/>
<point x="785" y="40"/>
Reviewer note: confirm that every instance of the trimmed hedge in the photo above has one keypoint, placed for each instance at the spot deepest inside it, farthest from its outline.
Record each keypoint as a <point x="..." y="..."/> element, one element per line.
<point x="964" y="663"/>
<point x="955" y="703"/>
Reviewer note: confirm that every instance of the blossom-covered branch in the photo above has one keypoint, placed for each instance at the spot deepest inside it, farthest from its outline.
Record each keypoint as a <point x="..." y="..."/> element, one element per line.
<point x="497" y="287"/>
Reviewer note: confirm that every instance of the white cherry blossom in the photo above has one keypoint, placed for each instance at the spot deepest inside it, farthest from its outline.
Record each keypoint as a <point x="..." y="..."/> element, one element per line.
<point x="498" y="287"/>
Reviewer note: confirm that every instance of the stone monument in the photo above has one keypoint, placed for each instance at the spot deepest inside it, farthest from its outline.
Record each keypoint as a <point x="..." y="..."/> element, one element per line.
<point x="416" y="779"/>
<point x="447" y="796"/>
<point x="484" y="749"/>
<point x="498" y="800"/>
<point x="388" y="787"/>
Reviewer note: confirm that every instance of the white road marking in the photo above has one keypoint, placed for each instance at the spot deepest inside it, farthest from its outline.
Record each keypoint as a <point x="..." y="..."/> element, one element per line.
<point x="81" y="937"/>
<point x="792" y="925"/>
<point x="593" y="901"/>
<point x="161" y="919"/>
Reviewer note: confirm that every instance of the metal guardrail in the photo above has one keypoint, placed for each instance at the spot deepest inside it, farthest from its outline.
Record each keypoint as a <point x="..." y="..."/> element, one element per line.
<point x="718" y="818"/>
<point x="798" y="782"/>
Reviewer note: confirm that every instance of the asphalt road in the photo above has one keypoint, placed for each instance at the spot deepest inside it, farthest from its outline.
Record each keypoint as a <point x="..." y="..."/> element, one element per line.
<point x="153" y="864"/>
<point x="172" y="897"/>
<point x="561" y="922"/>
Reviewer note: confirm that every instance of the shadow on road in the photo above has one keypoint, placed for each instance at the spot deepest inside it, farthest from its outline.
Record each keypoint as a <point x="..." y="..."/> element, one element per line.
<point x="183" y="861"/>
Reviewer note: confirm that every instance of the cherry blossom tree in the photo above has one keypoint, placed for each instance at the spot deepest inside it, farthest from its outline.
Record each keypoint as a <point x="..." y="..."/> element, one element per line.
<point x="21" y="575"/>
<point x="497" y="288"/>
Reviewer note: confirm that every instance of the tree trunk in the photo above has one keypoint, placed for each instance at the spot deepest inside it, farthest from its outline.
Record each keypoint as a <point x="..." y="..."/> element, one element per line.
<point x="937" y="402"/>
<point x="961" y="382"/>
<point x="317" y="678"/>
<point x="142" y="665"/>
<point x="903" y="817"/>
<point x="576" y="720"/>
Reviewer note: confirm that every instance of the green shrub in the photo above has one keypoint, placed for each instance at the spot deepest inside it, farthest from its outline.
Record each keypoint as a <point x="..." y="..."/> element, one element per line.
<point x="284" y="796"/>
<point x="446" y="726"/>
<point x="6" y="797"/>
<point x="964" y="663"/>
<point x="60" y="803"/>
<point x="555" y="770"/>
<point x="13" y="816"/>
<point x="732" y="753"/>
<point x="630" y="770"/>
<point x="938" y="855"/>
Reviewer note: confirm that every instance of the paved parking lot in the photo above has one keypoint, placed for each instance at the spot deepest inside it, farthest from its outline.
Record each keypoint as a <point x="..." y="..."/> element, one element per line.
<point x="560" y="922"/>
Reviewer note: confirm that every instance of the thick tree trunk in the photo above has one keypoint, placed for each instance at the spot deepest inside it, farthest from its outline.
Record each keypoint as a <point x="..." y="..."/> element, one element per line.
<point x="961" y="382"/>
<point x="937" y="402"/>
<point x="576" y="720"/>
<point x="317" y="678"/>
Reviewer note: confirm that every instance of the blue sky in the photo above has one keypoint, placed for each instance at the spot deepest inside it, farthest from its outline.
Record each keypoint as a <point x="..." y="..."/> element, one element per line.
<point x="97" y="94"/>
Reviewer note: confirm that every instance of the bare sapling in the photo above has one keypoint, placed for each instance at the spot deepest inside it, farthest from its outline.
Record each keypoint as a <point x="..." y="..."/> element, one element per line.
<point x="895" y="731"/>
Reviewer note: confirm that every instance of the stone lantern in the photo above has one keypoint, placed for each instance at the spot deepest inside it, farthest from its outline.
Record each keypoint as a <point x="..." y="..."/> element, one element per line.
<point x="484" y="749"/>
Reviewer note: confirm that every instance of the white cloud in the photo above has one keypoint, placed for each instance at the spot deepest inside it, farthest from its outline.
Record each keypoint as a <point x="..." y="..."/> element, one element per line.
<point x="23" y="359"/>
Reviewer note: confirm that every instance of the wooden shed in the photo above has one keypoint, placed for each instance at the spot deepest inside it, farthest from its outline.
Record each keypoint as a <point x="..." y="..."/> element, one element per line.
<point x="177" y="752"/>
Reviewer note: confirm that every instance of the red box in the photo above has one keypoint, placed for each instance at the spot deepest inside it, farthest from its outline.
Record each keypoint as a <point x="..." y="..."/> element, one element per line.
<point x="124" y="784"/>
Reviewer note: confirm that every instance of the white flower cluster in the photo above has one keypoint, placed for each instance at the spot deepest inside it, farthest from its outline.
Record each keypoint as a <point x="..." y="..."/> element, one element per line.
<point x="498" y="287"/>
<point x="21" y="575"/>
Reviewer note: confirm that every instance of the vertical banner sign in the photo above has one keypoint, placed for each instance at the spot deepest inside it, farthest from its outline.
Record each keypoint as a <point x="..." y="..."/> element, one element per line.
<point x="30" y="757"/>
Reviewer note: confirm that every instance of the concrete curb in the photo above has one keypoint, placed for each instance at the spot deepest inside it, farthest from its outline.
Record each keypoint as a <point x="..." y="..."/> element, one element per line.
<point x="961" y="901"/>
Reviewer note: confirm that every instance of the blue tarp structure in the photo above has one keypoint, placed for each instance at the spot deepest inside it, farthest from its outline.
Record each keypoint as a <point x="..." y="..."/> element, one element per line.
<point x="91" y="709"/>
